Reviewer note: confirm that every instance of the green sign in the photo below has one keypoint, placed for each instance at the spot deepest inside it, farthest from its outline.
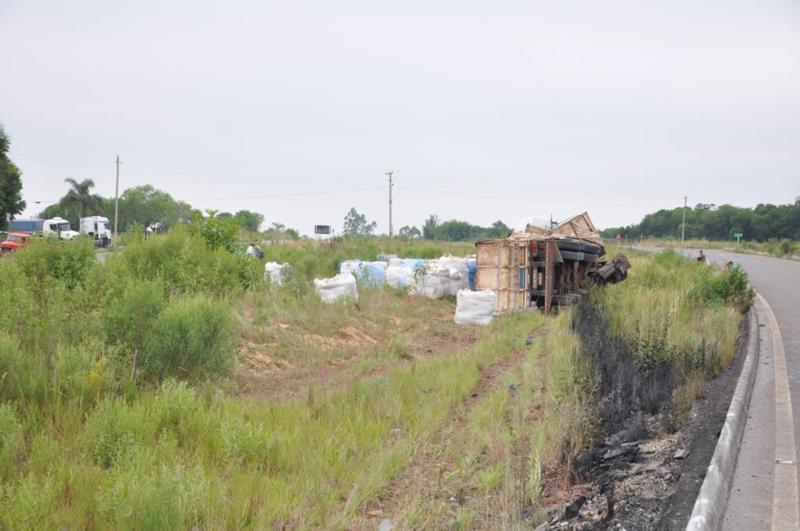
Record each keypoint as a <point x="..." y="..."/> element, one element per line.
<point x="738" y="234"/>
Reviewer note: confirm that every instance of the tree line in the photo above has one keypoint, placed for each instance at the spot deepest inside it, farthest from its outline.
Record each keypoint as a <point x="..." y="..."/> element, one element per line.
<point x="356" y="224"/>
<point x="711" y="222"/>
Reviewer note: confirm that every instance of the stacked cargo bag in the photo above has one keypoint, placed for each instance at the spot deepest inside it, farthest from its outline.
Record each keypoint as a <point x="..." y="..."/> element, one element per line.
<point x="276" y="273"/>
<point x="400" y="272"/>
<point x="475" y="307"/>
<point x="340" y="287"/>
<point x="372" y="274"/>
<point x="442" y="277"/>
<point x="349" y="266"/>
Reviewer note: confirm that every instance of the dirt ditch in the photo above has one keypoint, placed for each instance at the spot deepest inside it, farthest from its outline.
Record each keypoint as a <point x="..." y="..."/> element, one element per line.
<point x="644" y="474"/>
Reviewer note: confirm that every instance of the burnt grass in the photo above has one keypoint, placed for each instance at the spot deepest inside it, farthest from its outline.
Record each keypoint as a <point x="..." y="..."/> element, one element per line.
<point x="645" y="471"/>
<point x="626" y="387"/>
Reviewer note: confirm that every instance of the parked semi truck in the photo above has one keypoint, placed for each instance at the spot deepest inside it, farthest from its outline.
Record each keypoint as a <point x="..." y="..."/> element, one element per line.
<point x="98" y="229"/>
<point x="55" y="227"/>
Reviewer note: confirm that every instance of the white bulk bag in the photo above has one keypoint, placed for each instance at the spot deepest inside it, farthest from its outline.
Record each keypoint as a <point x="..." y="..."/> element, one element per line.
<point x="342" y="286"/>
<point x="401" y="271"/>
<point x="475" y="307"/>
<point x="349" y="266"/>
<point x="443" y="277"/>
<point x="275" y="272"/>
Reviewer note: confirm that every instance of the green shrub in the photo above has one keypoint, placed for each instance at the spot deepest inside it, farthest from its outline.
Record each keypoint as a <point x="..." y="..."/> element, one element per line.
<point x="22" y="377"/>
<point x="29" y="503"/>
<point x="184" y="262"/>
<point x="68" y="262"/>
<point x="149" y="497"/>
<point x="10" y="439"/>
<point x="729" y="287"/>
<point x="131" y="316"/>
<point x="193" y="337"/>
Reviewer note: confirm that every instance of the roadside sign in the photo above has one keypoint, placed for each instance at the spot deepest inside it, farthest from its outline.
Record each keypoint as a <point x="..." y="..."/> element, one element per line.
<point x="322" y="229"/>
<point x="738" y="235"/>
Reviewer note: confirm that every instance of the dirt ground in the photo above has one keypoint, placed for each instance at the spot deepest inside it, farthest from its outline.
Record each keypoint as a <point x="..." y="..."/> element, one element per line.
<point x="281" y="358"/>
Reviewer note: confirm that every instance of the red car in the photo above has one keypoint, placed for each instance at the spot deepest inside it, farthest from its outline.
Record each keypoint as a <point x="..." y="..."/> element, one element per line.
<point x="14" y="241"/>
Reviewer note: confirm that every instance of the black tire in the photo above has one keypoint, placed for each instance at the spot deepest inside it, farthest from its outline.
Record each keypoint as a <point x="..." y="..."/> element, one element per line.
<point x="590" y="258"/>
<point x="570" y="245"/>
<point x="572" y="255"/>
<point x="593" y="248"/>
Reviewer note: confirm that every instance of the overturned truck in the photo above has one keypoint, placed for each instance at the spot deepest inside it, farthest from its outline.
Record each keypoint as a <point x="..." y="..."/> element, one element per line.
<point x="541" y="267"/>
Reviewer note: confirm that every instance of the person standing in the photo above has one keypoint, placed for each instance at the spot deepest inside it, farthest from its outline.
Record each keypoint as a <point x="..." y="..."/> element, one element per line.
<point x="251" y="250"/>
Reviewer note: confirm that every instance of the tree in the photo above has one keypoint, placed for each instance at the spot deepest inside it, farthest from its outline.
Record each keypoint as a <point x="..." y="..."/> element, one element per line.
<point x="499" y="230"/>
<point x="80" y="200"/>
<point x="145" y="205"/>
<point x="355" y="224"/>
<point x="218" y="231"/>
<point x="11" y="202"/>
<point x="279" y="231"/>
<point x="250" y="220"/>
<point x="430" y="226"/>
<point x="410" y="232"/>
<point x="709" y="221"/>
<point x="454" y="230"/>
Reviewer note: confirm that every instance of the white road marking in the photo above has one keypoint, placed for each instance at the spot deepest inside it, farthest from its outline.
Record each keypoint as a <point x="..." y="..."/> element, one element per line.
<point x="785" y="507"/>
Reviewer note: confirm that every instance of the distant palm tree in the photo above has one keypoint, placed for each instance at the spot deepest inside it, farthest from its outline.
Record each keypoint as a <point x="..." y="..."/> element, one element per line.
<point x="80" y="198"/>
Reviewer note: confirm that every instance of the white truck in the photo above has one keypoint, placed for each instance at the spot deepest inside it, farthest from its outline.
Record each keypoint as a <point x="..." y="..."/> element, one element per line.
<point x="98" y="229"/>
<point x="58" y="227"/>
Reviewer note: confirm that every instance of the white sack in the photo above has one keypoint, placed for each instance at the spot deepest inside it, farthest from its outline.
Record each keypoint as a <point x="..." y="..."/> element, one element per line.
<point x="444" y="276"/>
<point x="342" y="286"/>
<point x="475" y="307"/>
<point x="349" y="266"/>
<point x="370" y="273"/>
<point x="401" y="271"/>
<point x="275" y="272"/>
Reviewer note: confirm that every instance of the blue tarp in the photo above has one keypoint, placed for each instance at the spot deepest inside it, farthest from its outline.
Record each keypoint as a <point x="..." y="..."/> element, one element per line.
<point x="472" y="268"/>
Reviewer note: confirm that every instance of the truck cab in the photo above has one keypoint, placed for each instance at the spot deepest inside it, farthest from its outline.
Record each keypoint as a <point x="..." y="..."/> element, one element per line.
<point x="58" y="227"/>
<point x="97" y="228"/>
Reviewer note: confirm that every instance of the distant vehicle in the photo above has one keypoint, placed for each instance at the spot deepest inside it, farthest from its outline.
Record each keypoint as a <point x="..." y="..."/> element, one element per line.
<point x="59" y="227"/>
<point x="30" y="226"/>
<point x="14" y="241"/>
<point x="97" y="228"/>
<point x="47" y="227"/>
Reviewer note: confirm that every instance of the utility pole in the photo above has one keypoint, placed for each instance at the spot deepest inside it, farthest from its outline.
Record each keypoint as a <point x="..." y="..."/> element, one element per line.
<point x="391" y="184"/>
<point x="683" y="224"/>
<point x="116" y="201"/>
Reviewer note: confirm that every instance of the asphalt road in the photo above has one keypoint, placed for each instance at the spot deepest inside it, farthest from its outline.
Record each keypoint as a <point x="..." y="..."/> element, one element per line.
<point x="764" y="492"/>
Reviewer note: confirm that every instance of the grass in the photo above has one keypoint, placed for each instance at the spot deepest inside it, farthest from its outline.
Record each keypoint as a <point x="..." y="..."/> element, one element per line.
<point x="672" y="309"/>
<point x="677" y="317"/>
<point x="172" y="388"/>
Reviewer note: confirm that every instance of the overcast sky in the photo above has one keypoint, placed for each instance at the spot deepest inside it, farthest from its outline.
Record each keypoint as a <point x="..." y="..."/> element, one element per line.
<point x="505" y="109"/>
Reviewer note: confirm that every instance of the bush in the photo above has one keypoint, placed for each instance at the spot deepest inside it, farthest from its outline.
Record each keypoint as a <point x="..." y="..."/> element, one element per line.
<point x="729" y="287"/>
<point x="133" y="313"/>
<point x="184" y="262"/>
<point x="68" y="262"/>
<point x="193" y="336"/>
<point x="10" y="439"/>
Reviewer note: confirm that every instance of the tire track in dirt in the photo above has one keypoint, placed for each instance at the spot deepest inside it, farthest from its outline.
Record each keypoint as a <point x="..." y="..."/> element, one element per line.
<point x="429" y="477"/>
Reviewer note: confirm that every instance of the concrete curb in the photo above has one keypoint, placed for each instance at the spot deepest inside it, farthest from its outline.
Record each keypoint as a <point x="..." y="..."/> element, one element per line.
<point x="709" y="508"/>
